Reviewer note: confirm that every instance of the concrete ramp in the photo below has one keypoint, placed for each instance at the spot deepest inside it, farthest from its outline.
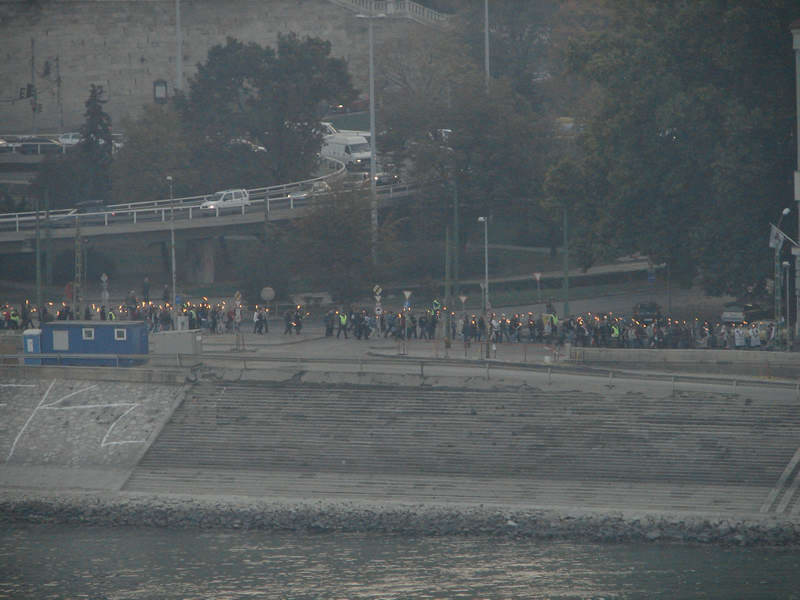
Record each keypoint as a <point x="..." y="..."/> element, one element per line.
<point x="60" y="433"/>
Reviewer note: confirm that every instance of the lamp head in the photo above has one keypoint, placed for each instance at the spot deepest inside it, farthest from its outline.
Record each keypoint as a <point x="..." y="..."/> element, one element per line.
<point x="785" y="264"/>
<point x="786" y="211"/>
<point x="481" y="219"/>
<point x="169" y="178"/>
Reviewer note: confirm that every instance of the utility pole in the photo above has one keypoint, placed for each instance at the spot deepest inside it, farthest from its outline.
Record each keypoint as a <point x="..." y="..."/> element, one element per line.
<point x="373" y="194"/>
<point x="447" y="285"/>
<point x="796" y="46"/>
<point x="48" y="246"/>
<point x="566" y="265"/>
<point x="179" y="48"/>
<point x="58" y="95"/>
<point x="35" y="97"/>
<point x="76" y="287"/>
<point x="38" y="262"/>
<point x="486" y="42"/>
<point x="456" y="244"/>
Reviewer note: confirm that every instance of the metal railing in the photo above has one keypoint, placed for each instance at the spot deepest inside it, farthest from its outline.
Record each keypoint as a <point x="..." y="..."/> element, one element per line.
<point x="553" y="372"/>
<point x="277" y="197"/>
<point x="397" y="8"/>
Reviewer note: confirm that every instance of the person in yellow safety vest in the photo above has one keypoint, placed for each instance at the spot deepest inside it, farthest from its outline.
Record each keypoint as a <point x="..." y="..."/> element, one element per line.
<point x="342" y="325"/>
<point x="615" y="334"/>
<point x="112" y="315"/>
<point x="15" y="319"/>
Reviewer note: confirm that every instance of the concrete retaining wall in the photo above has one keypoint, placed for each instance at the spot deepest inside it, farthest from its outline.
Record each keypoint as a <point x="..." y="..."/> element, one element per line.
<point x="113" y="510"/>
<point x="731" y="362"/>
<point x="126" y="45"/>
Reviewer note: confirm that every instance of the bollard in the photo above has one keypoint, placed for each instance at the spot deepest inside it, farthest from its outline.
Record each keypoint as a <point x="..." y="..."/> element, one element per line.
<point x="549" y="375"/>
<point x="797" y="389"/>
<point x="673" y="385"/>
<point x="487" y="371"/>
<point x="422" y="370"/>
<point x="734" y="386"/>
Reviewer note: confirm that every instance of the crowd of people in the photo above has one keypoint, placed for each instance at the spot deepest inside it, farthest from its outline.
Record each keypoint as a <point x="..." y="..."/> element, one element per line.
<point x="588" y="330"/>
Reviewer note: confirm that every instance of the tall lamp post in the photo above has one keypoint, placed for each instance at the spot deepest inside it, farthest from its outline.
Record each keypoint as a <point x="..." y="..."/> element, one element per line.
<point x="485" y="222"/>
<point x="777" y="241"/>
<point x="172" y="238"/>
<point x="796" y="46"/>
<point x="373" y="197"/>
<point x="486" y="41"/>
<point x="785" y="264"/>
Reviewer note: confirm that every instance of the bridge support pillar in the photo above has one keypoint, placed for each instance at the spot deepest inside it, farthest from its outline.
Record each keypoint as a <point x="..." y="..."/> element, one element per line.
<point x="206" y="264"/>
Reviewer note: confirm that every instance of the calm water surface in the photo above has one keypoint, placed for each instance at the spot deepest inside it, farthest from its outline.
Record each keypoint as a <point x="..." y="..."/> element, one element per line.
<point x="38" y="561"/>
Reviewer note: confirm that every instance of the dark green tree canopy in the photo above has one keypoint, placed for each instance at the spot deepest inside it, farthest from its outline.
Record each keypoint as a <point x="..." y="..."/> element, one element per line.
<point x="689" y="154"/>
<point x="85" y="173"/>
<point x="265" y="98"/>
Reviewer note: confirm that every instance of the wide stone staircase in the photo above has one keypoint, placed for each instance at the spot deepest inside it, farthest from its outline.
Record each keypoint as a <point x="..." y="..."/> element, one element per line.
<point x="691" y="451"/>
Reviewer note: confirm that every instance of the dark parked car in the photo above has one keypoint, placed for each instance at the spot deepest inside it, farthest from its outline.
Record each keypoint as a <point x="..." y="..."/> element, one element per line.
<point x="90" y="212"/>
<point x="647" y="312"/>
<point x="743" y="312"/>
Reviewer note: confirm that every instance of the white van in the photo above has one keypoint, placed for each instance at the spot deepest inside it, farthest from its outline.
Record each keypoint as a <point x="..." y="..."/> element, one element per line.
<point x="352" y="150"/>
<point x="226" y="201"/>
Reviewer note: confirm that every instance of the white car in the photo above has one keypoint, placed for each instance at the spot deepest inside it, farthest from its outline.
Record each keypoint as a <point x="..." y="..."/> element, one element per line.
<point x="226" y="201"/>
<point x="317" y="187"/>
<point x="69" y="139"/>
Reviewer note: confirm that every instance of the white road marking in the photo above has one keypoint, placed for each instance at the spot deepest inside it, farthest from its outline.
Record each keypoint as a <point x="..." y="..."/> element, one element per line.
<point x="103" y="444"/>
<point x="54" y="406"/>
<point x="24" y="427"/>
<point x="17" y="385"/>
<point x="69" y="396"/>
<point x="781" y="482"/>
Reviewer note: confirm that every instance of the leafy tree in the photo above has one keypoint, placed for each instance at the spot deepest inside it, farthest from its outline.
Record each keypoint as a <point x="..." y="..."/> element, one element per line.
<point x="331" y="244"/>
<point x="246" y="96"/>
<point x="95" y="147"/>
<point x="682" y="156"/>
<point x="155" y="146"/>
<point x="492" y="147"/>
<point x="85" y="172"/>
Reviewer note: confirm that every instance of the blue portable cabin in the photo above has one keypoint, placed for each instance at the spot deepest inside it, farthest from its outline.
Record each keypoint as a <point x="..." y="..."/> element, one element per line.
<point x="119" y="338"/>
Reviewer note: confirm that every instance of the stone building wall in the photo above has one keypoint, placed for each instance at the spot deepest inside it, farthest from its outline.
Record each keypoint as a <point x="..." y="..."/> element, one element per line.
<point x="126" y="45"/>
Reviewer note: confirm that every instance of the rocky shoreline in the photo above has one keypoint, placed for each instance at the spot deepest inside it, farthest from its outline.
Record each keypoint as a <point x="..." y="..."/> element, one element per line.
<point x="426" y="519"/>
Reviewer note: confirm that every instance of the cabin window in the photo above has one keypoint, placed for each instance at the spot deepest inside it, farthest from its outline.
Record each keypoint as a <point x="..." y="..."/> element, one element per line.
<point x="88" y="333"/>
<point x="120" y="335"/>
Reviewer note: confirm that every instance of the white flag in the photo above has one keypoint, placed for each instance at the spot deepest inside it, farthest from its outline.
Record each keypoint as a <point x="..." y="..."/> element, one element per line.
<point x="776" y="237"/>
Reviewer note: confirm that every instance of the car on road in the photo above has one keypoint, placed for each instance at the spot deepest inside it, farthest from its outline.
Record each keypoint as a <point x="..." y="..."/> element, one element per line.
<point x="40" y="145"/>
<point x="312" y="189"/>
<point x="226" y="201"/>
<point x="743" y="312"/>
<point x="69" y="139"/>
<point x="386" y="179"/>
<point x="89" y="212"/>
<point x="647" y="312"/>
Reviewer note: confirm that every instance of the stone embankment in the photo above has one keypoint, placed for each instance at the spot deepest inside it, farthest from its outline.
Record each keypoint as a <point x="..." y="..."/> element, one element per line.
<point x="113" y="510"/>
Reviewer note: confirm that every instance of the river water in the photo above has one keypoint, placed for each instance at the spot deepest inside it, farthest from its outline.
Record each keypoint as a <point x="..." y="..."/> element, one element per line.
<point x="45" y="561"/>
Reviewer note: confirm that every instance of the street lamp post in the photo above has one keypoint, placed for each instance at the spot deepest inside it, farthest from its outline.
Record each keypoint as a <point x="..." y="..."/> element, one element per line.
<point x="785" y="264"/>
<point x="172" y="238"/>
<point x="796" y="46"/>
<point x="485" y="222"/>
<point x="373" y="196"/>
<point x="566" y="265"/>
<point x="486" y="41"/>
<point x="778" y="276"/>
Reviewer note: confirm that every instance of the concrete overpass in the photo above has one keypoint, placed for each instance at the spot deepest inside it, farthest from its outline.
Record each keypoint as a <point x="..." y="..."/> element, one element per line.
<point x="152" y="221"/>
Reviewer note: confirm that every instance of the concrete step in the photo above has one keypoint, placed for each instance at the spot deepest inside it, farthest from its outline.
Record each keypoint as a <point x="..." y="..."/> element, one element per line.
<point x="574" y="435"/>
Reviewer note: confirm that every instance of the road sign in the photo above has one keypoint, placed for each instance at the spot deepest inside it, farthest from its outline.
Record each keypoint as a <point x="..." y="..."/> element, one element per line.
<point x="407" y="294"/>
<point x="538" y="276"/>
<point x="267" y="294"/>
